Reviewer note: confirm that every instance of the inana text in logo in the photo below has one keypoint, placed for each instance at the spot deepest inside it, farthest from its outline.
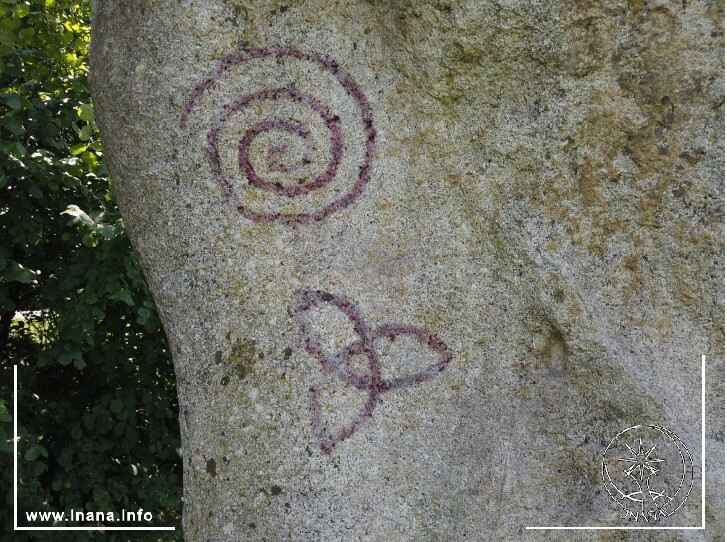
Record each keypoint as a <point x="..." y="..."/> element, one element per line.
<point x="648" y="471"/>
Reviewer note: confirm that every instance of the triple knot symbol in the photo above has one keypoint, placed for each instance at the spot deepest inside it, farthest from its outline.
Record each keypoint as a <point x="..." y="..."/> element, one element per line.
<point x="338" y="365"/>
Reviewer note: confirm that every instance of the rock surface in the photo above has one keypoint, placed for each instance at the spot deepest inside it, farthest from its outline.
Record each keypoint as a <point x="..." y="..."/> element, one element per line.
<point x="420" y="261"/>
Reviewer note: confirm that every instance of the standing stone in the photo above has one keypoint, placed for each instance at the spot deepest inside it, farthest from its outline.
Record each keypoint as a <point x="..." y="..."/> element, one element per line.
<point x="421" y="262"/>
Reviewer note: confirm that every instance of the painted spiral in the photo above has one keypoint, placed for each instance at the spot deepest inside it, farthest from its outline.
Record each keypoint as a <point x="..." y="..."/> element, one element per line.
<point x="290" y="169"/>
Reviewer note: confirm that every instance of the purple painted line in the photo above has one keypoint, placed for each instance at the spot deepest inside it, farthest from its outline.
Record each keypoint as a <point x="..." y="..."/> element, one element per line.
<point x="276" y="153"/>
<point x="331" y="121"/>
<point x="372" y="382"/>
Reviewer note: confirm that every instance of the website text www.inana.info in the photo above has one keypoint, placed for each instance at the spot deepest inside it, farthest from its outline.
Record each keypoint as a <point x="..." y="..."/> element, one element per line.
<point x="82" y="516"/>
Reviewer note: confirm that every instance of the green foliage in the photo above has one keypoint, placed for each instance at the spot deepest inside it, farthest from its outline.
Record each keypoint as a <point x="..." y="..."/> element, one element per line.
<point x="97" y="404"/>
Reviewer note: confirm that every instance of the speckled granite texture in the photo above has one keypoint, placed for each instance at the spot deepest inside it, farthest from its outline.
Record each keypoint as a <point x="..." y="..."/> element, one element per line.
<point x="421" y="261"/>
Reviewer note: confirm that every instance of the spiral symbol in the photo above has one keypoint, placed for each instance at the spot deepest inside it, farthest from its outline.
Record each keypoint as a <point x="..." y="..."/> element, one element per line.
<point x="282" y="170"/>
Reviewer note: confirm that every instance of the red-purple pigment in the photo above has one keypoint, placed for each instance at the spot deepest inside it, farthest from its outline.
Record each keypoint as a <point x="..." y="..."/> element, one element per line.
<point x="331" y="121"/>
<point x="371" y="382"/>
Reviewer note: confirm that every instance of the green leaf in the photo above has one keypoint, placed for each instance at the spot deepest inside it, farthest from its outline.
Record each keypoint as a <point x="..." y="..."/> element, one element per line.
<point x="7" y="37"/>
<point x="65" y="358"/>
<point x="13" y="125"/>
<point x="85" y="111"/>
<point x="34" y="452"/>
<point x="89" y="158"/>
<point x="4" y="414"/>
<point x="125" y="296"/>
<point x="26" y="33"/>
<point x="21" y="11"/>
<point x="34" y="191"/>
<point x="116" y="406"/>
<point x="79" y="216"/>
<point x="88" y="420"/>
<point x="17" y="273"/>
<point x="85" y="133"/>
<point x="78" y="149"/>
<point x="13" y="101"/>
<point x="106" y="231"/>
<point x="90" y="239"/>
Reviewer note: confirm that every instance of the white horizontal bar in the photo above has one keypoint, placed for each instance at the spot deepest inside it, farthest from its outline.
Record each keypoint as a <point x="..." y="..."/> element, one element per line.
<point x="95" y="528"/>
<point x="618" y="528"/>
